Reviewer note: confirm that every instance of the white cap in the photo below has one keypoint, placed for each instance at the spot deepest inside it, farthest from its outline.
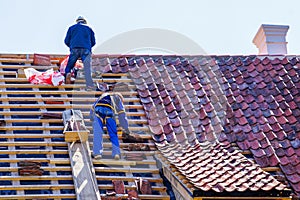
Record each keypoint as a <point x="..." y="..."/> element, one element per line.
<point x="81" y="19"/>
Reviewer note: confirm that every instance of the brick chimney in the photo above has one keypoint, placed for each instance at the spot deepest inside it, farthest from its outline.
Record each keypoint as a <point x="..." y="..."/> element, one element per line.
<point x="270" y="39"/>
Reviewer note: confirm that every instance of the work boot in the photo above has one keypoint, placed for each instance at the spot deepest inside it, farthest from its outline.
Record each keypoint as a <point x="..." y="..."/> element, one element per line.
<point x="97" y="157"/>
<point x="68" y="78"/>
<point x="117" y="157"/>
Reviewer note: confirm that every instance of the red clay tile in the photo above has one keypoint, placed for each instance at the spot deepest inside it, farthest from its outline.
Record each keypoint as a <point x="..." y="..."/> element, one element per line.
<point x="159" y="138"/>
<point x="288" y="169"/>
<point x="170" y="137"/>
<point x="295" y="143"/>
<point x="156" y="130"/>
<point x="157" y="100"/>
<point x="268" y="150"/>
<point x="276" y="127"/>
<point x="270" y="135"/>
<point x="294" y="178"/>
<point x="291" y="119"/>
<point x="285" y="144"/>
<point x="258" y="152"/>
<point x="274" y="160"/>
<point x="290" y="152"/>
<point x="175" y="122"/>
<point x="276" y="61"/>
<point x="154" y="122"/>
<point x="263" y="161"/>
<point x="254" y="145"/>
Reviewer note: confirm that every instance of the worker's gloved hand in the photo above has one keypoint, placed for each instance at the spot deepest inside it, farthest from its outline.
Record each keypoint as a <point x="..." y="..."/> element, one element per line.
<point x="126" y="132"/>
<point x="131" y="137"/>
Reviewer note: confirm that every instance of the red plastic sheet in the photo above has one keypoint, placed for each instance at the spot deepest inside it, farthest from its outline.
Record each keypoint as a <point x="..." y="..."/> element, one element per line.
<point x="49" y="77"/>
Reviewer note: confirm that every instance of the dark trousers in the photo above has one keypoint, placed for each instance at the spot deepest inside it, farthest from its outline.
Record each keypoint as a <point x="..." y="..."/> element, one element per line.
<point x="86" y="57"/>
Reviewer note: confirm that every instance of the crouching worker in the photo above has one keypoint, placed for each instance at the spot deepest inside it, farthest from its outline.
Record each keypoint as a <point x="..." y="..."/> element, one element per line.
<point x="104" y="112"/>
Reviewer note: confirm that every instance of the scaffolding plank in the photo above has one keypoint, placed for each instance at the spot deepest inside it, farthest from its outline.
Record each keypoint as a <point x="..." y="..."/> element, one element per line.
<point x="84" y="176"/>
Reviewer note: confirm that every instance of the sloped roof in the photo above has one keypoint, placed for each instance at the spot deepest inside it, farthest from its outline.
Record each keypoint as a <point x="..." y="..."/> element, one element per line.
<point x="197" y="106"/>
<point x="36" y="160"/>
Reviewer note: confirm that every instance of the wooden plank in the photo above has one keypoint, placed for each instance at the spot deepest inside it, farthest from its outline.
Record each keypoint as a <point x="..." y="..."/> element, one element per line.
<point x="32" y="144"/>
<point x="58" y="128"/>
<point x="60" y="106"/>
<point x="106" y="80"/>
<point x="30" y="178"/>
<point x="27" y="56"/>
<point x="50" y="169"/>
<point x="16" y="67"/>
<point x="8" y="73"/>
<point x="30" y="113"/>
<point x="64" y="99"/>
<point x="126" y="170"/>
<point x="44" y="120"/>
<point x="102" y="161"/>
<point x="97" y="169"/>
<point x="34" y="120"/>
<point x="26" y="135"/>
<point x="36" y="187"/>
<point x="125" y="178"/>
<point x="31" y="128"/>
<point x="110" y="187"/>
<point x="20" y="60"/>
<point x="29" y="85"/>
<point x="72" y="196"/>
<point x="124" y="162"/>
<point x="60" y="92"/>
<point x="173" y="179"/>
<point x="65" y="186"/>
<point x="38" y="196"/>
<point x="61" y="144"/>
<point x="84" y="177"/>
<point x="20" y="152"/>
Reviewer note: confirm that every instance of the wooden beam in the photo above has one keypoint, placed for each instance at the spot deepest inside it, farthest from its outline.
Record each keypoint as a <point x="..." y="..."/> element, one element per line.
<point x="39" y="196"/>
<point x="107" y="80"/>
<point x="143" y="128"/>
<point x="20" y="60"/>
<point x="31" y="113"/>
<point x="27" y="135"/>
<point x="60" y="106"/>
<point x="84" y="176"/>
<point x="175" y="182"/>
<point x="37" y="120"/>
<point x="67" y="186"/>
<point x="64" y="99"/>
<point x="58" y="92"/>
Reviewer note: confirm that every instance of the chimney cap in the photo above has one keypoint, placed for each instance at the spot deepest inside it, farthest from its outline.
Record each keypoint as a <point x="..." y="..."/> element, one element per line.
<point x="271" y="39"/>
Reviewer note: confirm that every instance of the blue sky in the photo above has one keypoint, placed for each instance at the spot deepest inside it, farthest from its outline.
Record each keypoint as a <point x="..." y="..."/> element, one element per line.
<point x="220" y="27"/>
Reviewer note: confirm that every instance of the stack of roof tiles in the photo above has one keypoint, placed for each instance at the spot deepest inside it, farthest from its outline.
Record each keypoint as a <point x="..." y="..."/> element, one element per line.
<point x="197" y="106"/>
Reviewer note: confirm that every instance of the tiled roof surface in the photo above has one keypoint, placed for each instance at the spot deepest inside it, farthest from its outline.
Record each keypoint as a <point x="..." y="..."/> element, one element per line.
<point x="197" y="106"/>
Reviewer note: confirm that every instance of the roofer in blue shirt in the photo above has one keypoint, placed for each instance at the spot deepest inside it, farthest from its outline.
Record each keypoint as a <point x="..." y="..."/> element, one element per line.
<point x="106" y="110"/>
<point x="80" y="39"/>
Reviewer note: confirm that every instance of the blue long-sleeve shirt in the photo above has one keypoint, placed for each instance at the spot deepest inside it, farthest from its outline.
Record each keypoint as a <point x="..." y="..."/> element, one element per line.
<point x="80" y="36"/>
